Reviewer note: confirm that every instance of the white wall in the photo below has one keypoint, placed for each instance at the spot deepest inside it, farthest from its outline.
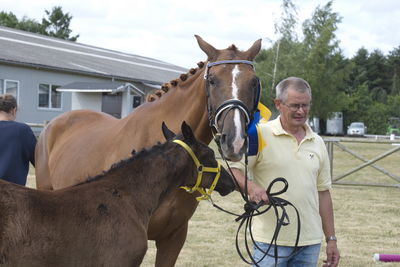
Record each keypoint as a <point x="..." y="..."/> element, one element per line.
<point x="86" y="101"/>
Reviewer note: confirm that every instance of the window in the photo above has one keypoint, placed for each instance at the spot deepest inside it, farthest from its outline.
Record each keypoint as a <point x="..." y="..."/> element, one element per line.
<point x="136" y="101"/>
<point x="9" y="87"/>
<point x="49" y="97"/>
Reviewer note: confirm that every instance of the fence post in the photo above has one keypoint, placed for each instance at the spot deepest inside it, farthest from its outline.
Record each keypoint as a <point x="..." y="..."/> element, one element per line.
<point x="329" y="146"/>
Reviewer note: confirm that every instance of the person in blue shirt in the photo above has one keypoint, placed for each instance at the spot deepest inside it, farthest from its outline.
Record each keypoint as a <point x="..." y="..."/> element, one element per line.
<point x="17" y="143"/>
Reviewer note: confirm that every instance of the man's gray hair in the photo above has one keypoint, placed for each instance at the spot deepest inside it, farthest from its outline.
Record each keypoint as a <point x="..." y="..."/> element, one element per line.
<point x="295" y="83"/>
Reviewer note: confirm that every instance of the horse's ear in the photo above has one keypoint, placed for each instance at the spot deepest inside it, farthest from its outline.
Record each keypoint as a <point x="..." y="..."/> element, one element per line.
<point x="168" y="134"/>
<point x="252" y="52"/>
<point x="210" y="51"/>
<point x="187" y="132"/>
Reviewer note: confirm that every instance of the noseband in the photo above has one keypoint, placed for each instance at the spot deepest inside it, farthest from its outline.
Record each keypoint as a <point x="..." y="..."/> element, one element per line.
<point x="228" y="104"/>
<point x="205" y="194"/>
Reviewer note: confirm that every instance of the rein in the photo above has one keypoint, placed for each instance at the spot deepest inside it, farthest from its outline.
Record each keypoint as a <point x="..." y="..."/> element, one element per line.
<point x="282" y="219"/>
<point x="205" y="194"/>
<point x="252" y="209"/>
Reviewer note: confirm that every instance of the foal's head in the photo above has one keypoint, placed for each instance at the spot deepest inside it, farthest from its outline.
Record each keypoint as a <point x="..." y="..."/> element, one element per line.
<point x="205" y="157"/>
<point x="232" y="90"/>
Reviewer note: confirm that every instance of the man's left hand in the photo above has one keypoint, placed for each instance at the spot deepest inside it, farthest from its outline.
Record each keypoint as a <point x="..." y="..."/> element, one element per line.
<point x="332" y="255"/>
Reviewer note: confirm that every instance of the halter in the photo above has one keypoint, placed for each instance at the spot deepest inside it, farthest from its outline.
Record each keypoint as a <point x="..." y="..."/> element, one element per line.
<point x="228" y="104"/>
<point x="205" y="194"/>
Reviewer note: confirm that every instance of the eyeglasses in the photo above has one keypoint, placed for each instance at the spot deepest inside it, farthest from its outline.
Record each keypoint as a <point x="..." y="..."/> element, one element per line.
<point x="296" y="107"/>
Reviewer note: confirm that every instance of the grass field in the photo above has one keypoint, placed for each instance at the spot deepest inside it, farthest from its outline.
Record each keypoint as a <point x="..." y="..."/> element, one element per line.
<point x="367" y="218"/>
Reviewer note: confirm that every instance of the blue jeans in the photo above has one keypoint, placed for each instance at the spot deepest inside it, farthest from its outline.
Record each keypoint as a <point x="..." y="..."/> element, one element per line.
<point x="306" y="256"/>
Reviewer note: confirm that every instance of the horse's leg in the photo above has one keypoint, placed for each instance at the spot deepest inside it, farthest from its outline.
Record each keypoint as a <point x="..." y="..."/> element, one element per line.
<point x="169" y="247"/>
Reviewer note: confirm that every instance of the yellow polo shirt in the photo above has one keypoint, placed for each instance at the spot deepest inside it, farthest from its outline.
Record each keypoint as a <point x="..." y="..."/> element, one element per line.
<point x="306" y="168"/>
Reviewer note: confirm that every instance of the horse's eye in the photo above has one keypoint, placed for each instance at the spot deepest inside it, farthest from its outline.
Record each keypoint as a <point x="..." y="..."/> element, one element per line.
<point x="211" y="80"/>
<point x="254" y="83"/>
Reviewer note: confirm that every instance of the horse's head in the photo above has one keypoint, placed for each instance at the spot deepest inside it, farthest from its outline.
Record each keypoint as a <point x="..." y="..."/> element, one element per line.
<point x="204" y="158"/>
<point x="232" y="89"/>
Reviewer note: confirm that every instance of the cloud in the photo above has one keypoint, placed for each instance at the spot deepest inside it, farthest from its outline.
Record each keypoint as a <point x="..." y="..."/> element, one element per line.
<point x="368" y="24"/>
<point x="164" y="29"/>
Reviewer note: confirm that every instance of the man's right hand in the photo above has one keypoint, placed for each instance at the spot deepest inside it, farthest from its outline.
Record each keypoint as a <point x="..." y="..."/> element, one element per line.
<point x="256" y="192"/>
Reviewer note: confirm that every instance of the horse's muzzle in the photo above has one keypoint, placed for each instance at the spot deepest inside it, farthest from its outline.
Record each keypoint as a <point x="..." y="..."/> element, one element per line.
<point x="233" y="150"/>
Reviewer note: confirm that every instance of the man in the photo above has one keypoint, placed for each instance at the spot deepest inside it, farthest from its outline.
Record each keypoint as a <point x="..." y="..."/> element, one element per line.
<point x="17" y="143"/>
<point x="294" y="152"/>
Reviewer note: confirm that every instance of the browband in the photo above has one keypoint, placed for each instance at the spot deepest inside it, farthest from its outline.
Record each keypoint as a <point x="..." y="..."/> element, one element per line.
<point x="234" y="61"/>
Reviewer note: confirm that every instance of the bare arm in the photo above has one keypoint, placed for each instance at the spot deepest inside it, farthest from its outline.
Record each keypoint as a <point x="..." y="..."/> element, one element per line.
<point x="326" y="212"/>
<point x="256" y="192"/>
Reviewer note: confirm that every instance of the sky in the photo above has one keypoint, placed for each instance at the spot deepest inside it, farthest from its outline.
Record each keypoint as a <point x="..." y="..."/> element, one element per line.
<point x="165" y="29"/>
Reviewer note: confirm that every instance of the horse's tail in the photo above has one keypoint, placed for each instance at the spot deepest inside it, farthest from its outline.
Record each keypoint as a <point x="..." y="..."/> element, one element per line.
<point x="42" y="169"/>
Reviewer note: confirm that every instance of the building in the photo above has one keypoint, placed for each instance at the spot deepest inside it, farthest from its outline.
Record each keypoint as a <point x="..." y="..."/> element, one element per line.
<point x="50" y="76"/>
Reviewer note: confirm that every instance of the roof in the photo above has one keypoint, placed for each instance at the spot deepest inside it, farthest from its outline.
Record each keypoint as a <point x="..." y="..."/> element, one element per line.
<point x="106" y="87"/>
<point x="39" y="51"/>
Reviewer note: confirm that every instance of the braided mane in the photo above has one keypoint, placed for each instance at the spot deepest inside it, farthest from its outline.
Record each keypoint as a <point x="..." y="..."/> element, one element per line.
<point x="232" y="47"/>
<point x="157" y="94"/>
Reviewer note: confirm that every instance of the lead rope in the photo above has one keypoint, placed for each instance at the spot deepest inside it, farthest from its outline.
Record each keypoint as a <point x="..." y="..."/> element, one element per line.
<point x="251" y="209"/>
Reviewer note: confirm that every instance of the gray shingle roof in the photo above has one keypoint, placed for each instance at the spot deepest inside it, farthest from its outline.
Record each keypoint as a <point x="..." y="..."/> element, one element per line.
<point x="109" y="87"/>
<point x="35" y="50"/>
<point x="91" y="86"/>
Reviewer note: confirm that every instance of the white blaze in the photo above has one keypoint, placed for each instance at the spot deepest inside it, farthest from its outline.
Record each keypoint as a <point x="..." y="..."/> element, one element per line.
<point x="238" y="141"/>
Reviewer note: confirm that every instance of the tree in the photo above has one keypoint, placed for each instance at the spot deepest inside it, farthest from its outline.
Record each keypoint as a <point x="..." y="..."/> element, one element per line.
<point x="57" y="24"/>
<point x="394" y="106"/>
<point x="8" y="19"/>
<point x="358" y="72"/>
<point x="376" y="118"/>
<point x="358" y="103"/>
<point x="264" y="69"/>
<point x="366" y="87"/>
<point x="325" y="66"/>
<point x="25" y="24"/>
<point x="282" y="59"/>
<point x="30" y="25"/>
<point x="285" y="27"/>
<point x="394" y="71"/>
<point x="378" y="76"/>
<point x="317" y="58"/>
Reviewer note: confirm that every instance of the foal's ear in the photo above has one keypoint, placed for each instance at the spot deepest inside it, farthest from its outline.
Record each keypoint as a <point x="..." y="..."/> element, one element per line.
<point x="168" y="134"/>
<point x="187" y="132"/>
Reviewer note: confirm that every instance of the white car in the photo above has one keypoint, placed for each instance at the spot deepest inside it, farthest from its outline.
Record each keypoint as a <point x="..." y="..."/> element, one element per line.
<point x="356" y="129"/>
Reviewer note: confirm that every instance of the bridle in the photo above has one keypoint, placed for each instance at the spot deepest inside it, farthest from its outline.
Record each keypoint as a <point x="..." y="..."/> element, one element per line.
<point x="277" y="204"/>
<point x="205" y="194"/>
<point x="227" y="105"/>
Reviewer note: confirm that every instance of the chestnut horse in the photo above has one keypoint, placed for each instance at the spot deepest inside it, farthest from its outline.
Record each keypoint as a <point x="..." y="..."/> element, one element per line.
<point x="215" y="98"/>
<point x="103" y="221"/>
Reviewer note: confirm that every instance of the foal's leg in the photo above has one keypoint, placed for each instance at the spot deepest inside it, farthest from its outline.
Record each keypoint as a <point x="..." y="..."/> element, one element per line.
<point x="169" y="247"/>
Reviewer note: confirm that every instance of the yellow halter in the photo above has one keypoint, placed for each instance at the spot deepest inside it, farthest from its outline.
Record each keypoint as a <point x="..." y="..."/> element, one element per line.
<point x="205" y="194"/>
